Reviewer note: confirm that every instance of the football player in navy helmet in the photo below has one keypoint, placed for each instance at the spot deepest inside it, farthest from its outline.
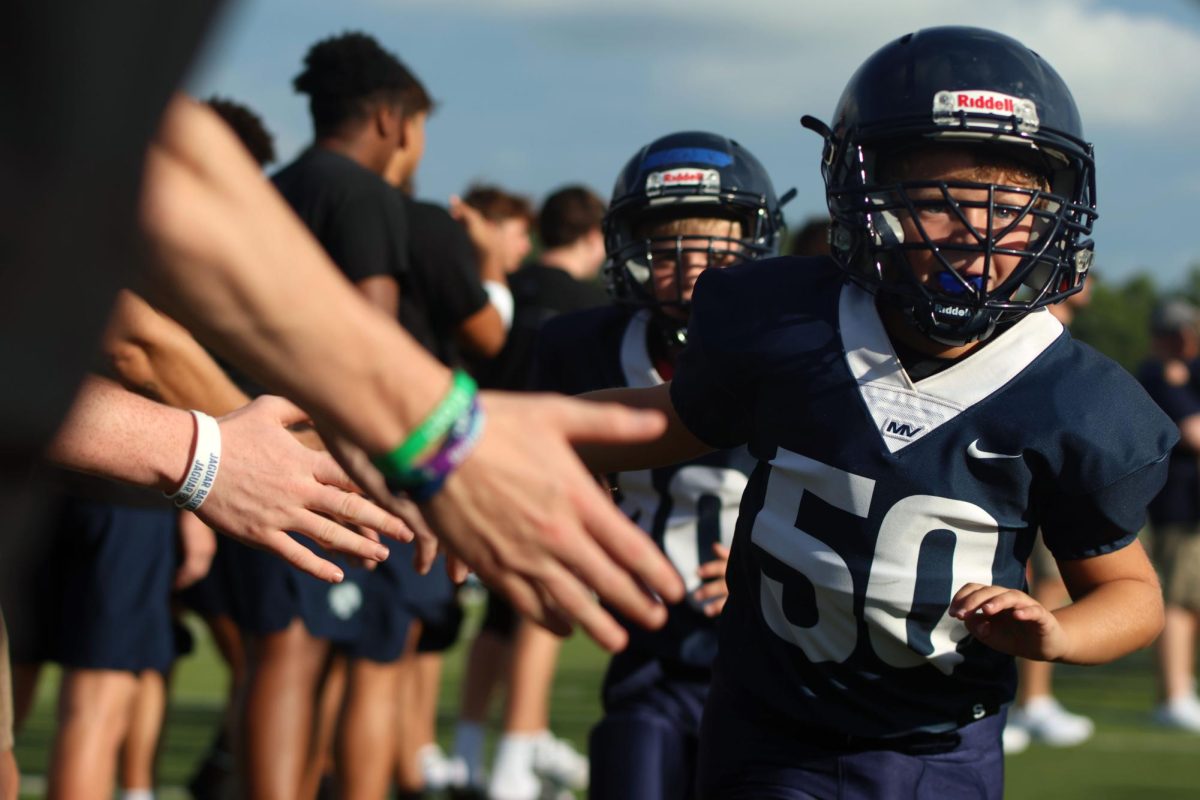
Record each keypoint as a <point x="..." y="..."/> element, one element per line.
<point x="684" y="204"/>
<point x="916" y="416"/>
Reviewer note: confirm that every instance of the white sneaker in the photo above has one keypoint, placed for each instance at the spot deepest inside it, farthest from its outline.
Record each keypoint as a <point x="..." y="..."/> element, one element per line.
<point x="1044" y="719"/>
<point x="1181" y="712"/>
<point x="556" y="762"/>
<point x="1015" y="739"/>
<point x="514" y="786"/>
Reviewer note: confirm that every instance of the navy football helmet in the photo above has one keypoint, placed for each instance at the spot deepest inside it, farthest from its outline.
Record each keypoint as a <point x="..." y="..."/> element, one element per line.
<point x="689" y="174"/>
<point x="968" y="88"/>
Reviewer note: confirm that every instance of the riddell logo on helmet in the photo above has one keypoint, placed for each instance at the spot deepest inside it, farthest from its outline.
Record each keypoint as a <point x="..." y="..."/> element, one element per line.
<point x="986" y="101"/>
<point x="949" y="104"/>
<point x="708" y="180"/>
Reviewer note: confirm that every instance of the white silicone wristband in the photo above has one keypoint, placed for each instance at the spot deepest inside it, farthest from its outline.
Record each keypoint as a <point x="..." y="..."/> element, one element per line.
<point x="206" y="459"/>
<point x="500" y="296"/>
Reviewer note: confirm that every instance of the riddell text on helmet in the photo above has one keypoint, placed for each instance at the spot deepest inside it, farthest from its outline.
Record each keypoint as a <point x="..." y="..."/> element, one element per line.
<point x="989" y="102"/>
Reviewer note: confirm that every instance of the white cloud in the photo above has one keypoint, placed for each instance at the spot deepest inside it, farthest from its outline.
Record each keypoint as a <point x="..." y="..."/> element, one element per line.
<point x="1130" y="69"/>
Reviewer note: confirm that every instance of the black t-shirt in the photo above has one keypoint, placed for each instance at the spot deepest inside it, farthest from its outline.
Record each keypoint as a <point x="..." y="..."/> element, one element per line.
<point x="1179" y="501"/>
<point x="355" y="215"/>
<point x="84" y="87"/>
<point x="540" y="293"/>
<point x="71" y="153"/>
<point x="442" y="288"/>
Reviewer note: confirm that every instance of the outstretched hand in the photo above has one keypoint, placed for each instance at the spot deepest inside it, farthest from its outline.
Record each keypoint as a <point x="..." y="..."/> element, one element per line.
<point x="1010" y="621"/>
<point x="269" y="483"/>
<point x="526" y="515"/>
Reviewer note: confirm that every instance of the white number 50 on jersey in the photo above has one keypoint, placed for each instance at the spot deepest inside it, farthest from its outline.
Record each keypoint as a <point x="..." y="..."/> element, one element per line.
<point x="892" y="583"/>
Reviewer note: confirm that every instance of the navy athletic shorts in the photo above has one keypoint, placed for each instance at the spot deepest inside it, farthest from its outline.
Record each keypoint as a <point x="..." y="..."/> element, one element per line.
<point x="385" y="618"/>
<point x="267" y="594"/>
<point x="211" y="596"/>
<point x="740" y="760"/>
<point x="644" y="748"/>
<point x="433" y="599"/>
<point x="105" y="594"/>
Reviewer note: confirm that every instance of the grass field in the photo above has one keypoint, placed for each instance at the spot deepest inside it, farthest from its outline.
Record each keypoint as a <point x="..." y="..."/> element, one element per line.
<point x="1127" y="758"/>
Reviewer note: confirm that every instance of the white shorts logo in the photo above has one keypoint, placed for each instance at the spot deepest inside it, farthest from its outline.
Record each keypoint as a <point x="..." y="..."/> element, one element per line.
<point x="345" y="600"/>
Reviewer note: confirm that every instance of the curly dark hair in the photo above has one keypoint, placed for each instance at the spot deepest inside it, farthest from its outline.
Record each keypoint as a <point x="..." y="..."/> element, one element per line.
<point x="346" y="76"/>
<point x="248" y="126"/>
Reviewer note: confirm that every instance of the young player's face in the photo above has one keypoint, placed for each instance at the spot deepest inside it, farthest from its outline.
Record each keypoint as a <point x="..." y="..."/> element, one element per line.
<point x="690" y="247"/>
<point x="514" y="244"/>
<point x="943" y="226"/>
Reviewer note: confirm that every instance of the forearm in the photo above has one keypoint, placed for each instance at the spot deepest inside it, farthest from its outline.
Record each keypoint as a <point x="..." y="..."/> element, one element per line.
<point x="122" y="436"/>
<point x="238" y="269"/>
<point x="1111" y="621"/>
<point x="677" y="444"/>
<point x="153" y="353"/>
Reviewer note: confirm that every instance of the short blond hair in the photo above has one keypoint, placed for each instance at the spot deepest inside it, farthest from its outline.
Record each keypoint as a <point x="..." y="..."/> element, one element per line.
<point x="692" y="226"/>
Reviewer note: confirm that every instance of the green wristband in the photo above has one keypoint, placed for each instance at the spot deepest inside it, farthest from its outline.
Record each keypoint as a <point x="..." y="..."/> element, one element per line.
<point x="399" y="463"/>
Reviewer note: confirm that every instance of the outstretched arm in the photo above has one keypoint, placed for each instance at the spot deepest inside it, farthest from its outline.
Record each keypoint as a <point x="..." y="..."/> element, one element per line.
<point x="238" y="269"/>
<point x="267" y="482"/>
<point x="151" y="353"/>
<point x="1118" y="609"/>
<point x="675" y="445"/>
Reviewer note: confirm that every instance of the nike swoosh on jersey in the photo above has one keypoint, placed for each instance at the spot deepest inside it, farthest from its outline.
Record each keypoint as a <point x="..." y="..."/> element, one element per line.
<point x="974" y="452"/>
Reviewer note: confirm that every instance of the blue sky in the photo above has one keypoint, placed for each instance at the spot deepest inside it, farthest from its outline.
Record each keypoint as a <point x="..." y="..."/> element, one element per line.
<point x="537" y="93"/>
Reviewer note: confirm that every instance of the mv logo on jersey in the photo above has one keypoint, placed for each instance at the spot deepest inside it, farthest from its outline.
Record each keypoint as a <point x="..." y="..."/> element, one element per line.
<point x="901" y="430"/>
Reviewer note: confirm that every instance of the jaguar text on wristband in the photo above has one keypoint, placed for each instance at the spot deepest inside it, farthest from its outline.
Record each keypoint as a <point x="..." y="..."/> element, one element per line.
<point x="206" y="460"/>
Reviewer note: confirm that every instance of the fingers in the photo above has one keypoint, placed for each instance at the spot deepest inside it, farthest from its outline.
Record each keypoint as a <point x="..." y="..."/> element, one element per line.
<point x="189" y="572"/>
<point x="528" y="602"/>
<point x="976" y="599"/>
<point x="326" y="469"/>
<point x="283" y="410"/>
<point x="711" y="591"/>
<point x="301" y="557"/>
<point x="587" y="422"/>
<point x="354" y="509"/>
<point x="633" y="551"/>
<point x="425" y="552"/>
<point x="712" y="597"/>
<point x="332" y="536"/>
<point x="577" y="603"/>
<point x="456" y="568"/>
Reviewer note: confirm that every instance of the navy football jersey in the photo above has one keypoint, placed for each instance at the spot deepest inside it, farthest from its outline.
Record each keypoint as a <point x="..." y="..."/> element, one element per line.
<point x="685" y="508"/>
<point x="875" y="498"/>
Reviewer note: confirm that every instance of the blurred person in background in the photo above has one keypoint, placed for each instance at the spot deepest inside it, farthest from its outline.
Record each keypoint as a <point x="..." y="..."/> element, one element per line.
<point x="1172" y="377"/>
<point x="674" y="215"/>
<point x="499" y="223"/>
<point x="210" y="597"/>
<point x="1037" y="714"/>
<point x="295" y="626"/>
<point x="562" y="280"/>
<point x="453" y="309"/>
